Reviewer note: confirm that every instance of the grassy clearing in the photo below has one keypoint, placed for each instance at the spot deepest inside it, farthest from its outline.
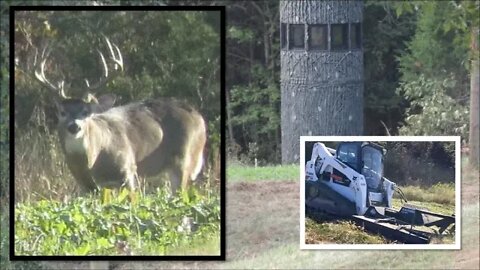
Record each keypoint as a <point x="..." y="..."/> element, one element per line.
<point x="120" y="224"/>
<point x="289" y="256"/>
<point x="237" y="173"/>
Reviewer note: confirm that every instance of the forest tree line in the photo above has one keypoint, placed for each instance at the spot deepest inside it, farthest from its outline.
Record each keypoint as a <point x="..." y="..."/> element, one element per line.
<point x="417" y="60"/>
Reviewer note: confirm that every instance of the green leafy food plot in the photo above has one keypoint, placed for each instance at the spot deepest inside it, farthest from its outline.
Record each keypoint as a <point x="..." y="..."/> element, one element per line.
<point x="120" y="223"/>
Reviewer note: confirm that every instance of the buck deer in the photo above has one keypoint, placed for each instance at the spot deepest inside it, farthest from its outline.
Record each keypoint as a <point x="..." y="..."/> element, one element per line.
<point x="108" y="146"/>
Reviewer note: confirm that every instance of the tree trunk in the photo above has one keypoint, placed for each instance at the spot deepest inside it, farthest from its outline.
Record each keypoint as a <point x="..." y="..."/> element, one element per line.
<point x="322" y="89"/>
<point x="229" y="118"/>
<point x="474" y="103"/>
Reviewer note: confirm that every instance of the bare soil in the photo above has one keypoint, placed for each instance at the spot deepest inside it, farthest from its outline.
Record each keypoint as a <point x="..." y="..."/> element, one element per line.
<point x="260" y="216"/>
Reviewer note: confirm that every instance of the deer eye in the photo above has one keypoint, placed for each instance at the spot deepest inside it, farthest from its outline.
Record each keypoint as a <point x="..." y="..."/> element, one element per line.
<point x="62" y="113"/>
<point x="84" y="113"/>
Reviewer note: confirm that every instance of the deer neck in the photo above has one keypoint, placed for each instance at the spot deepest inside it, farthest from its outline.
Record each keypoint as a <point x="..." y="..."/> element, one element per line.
<point x="95" y="138"/>
<point x="88" y="142"/>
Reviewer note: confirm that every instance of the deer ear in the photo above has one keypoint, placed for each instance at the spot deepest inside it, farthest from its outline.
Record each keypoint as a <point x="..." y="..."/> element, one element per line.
<point x="89" y="98"/>
<point x="107" y="101"/>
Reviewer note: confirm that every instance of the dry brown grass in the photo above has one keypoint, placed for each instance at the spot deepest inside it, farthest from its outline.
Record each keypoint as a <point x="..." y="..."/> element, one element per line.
<point x="40" y="170"/>
<point x="345" y="232"/>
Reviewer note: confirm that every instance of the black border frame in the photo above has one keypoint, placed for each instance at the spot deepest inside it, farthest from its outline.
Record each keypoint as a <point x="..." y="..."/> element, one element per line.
<point x="222" y="255"/>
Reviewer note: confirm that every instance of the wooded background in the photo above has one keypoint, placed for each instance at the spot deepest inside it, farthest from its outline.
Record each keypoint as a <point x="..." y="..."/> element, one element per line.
<point x="412" y="163"/>
<point x="418" y="62"/>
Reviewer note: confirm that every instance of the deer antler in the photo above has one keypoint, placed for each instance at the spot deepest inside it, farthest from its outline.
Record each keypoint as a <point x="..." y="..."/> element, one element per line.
<point x="40" y="74"/>
<point x="115" y="56"/>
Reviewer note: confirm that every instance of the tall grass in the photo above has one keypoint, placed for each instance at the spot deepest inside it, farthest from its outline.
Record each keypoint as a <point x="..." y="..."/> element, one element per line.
<point x="40" y="170"/>
<point x="442" y="193"/>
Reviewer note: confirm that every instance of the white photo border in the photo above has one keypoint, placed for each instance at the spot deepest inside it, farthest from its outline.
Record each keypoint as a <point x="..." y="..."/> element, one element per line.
<point x="454" y="246"/>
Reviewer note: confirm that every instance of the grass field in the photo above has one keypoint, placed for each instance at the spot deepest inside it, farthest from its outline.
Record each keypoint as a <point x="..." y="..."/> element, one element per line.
<point x="240" y="173"/>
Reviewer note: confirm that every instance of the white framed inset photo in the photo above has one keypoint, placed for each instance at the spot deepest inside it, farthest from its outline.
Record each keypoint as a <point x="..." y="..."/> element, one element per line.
<point x="380" y="192"/>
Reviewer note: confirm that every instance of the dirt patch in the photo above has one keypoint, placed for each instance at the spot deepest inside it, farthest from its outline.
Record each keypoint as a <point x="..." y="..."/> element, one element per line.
<point x="467" y="259"/>
<point x="470" y="187"/>
<point x="260" y="216"/>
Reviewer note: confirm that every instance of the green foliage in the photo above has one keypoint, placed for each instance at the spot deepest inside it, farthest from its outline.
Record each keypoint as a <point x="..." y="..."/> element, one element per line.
<point x="4" y="105"/>
<point x="434" y="52"/>
<point x="240" y="34"/>
<point x="420" y="163"/>
<point x="253" y="80"/>
<point x="435" y="69"/>
<point x="153" y="224"/>
<point x="384" y="38"/>
<point x="256" y="111"/>
<point x="432" y="111"/>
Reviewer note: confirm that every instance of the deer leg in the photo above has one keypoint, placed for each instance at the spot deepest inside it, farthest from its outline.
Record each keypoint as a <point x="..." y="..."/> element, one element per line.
<point x="87" y="187"/>
<point x="177" y="179"/>
<point x="130" y="180"/>
<point x="198" y="164"/>
<point x="130" y="173"/>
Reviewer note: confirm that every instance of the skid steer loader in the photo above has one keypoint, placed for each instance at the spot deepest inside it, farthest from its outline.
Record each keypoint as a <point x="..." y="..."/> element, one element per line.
<point x="349" y="182"/>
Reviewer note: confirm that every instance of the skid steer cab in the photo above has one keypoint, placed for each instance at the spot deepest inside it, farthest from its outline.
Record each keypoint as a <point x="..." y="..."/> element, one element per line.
<point x="348" y="180"/>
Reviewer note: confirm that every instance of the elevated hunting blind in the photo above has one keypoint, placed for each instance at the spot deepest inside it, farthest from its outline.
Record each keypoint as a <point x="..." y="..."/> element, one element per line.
<point x="321" y="71"/>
